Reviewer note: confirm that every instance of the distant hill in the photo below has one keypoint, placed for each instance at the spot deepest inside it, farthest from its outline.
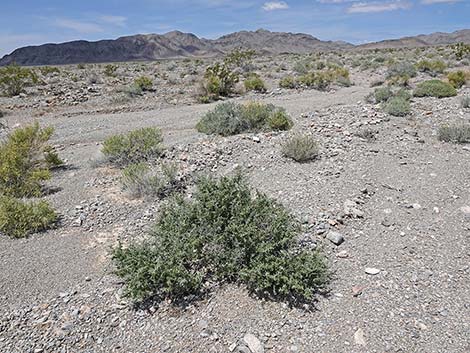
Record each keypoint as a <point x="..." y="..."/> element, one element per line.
<point x="422" y="40"/>
<point x="179" y="45"/>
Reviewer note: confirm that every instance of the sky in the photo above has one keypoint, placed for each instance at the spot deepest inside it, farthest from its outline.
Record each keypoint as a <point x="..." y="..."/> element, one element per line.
<point x="33" y="22"/>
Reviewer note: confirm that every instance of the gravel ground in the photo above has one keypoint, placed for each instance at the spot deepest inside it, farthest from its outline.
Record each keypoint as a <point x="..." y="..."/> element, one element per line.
<point x="400" y="201"/>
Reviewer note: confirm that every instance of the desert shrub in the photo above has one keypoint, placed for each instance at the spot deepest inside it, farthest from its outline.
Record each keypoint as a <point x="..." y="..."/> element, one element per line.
<point x="397" y="106"/>
<point x="47" y="70"/>
<point x="382" y="94"/>
<point x="25" y="161"/>
<point x="457" y="78"/>
<point x="288" y="82"/>
<point x="403" y="93"/>
<point x="14" y="79"/>
<point x="239" y="57"/>
<point x="110" y="71"/>
<point x="230" y="119"/>
<point x="18" y="219"/>
<point x="431" y="67"/>
<point x="136" y="146"/>
<point x="219" y="81"/>
<point x="465" y="102"/>
<point x="226" y="233"/>
<point x="454" y="133"/>
<point x="81" y="66"/>
<point x="401" y="69"/>
<point x="255" y="83"/>
<point x="301" y="148"/>
<point x="143" y="83"/>
<point x="303" y="66"/>
<point x="139" y="180"/>
<point x="434" y="88"/>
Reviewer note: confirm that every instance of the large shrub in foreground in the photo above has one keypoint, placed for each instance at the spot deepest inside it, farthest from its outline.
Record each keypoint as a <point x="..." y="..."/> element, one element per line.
<point x="434" y="88"/>
<point x="134" y="147"/>
<point x="226" y="233"/>
<point x="14" y="79"/>
<point x="25" y="161"/>
<point x="19" y="219"/>
<point x="231" y="118"/>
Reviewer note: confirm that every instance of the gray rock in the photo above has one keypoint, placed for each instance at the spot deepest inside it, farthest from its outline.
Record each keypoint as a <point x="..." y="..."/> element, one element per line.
<point x="253" y="343"/>
<point x="335" y="237"/>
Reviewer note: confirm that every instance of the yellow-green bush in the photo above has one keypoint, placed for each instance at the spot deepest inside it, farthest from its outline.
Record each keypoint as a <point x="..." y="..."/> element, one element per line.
<point x="25" y="161"/>
<point x="255" y="83"/>
<point x="14" y="79"/>
<point x="18" y="219"/>
<point x="457" y="78"/>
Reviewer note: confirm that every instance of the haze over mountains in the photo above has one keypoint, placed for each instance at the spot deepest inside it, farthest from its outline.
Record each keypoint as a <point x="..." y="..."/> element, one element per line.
<point x="176" y="44"/>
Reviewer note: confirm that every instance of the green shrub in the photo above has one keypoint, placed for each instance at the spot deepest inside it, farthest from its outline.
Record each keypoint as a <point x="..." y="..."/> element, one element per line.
<point x="255" y="83"/>
<point x="382" y="94"/>
<point x="461" y="50"/>
<point x="110" y="71"/>
<point x="143" y="83"/>
<point x="465" y="102"/>
<point x="25" y="161"/>
<point x="225" y="234"/>
<point x="454" y="133"/>
<point x="288" y="82"/>
<point x="14" y="79"/>
<point x="397" y="106"/>
<point x="230" y="119"/>
<point x="18" y="219"/>
<point x="140" y="181"/>
<point x="431" y="67"/>
<point x="434" y="88"/>
<point x="457" y="78"/>
<point x="301" y="148"/>
<point x="137" y="146"/>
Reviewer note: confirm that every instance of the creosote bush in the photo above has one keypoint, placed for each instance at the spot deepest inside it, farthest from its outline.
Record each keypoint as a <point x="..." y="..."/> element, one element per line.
<point x="454" y="133"/>
<point x="288" y="82"/>
<point x="143" y="83"/>
<point x="139" y="180"/>
<point x="226" y="233"/>
<point x="134" y="147"/>
<point x="25" y="161"/>
<point x="301" y="148"/>
<point x="14" y="79"/>
<point x="230" y="119"/>
<point x="432" y="67"/>
<point x="18" y="219"/>
<point x="434" y="88"/>
<point x="457" y="78"/>
<point x="255" y="83"/>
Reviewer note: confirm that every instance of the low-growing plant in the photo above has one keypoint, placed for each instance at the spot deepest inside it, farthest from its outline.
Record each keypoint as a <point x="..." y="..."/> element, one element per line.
<point x="14" y="79"/>
<point x="225" y="233"/>
<point x="401" y="69"/>
<point x="301" y="148"/>
<point x="434" y="88"/>
<point x="432" y="67"/>
<point x="25" y="161"/>
<point x="143" y="83"/>
<point x="19" y="219"/>
<point x="397" y="106"/>
<point x="134" y="147"/>
<point x="454" y="133"/>
<point x="255" y="83"/>
<point x="139" y="180"/>
<point x="457" y="78"/>
<point x="110" y="71"/>
<point x="288" y="82"/>
<point x="382" y="94"/>
<point x="47" y="70"/>
<point x="230" y="119"/>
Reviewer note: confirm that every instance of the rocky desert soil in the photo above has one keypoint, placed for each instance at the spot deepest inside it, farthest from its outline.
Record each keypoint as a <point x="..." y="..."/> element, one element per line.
<point x="400" y="201"/>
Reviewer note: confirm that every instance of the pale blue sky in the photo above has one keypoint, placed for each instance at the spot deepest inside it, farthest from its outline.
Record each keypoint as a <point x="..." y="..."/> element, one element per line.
<point x="30" y="22"/>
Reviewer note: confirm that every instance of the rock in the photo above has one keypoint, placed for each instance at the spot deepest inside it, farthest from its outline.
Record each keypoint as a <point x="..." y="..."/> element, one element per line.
<point x="335" y="237"/>
<point x="359" y="337"/>
<point x="372" y="271"/>
<point x="253" y="343"/>
<point x="256" y="139"/>
<point x="465" y="210"/>
<point x="357" y="291"/>
<point x="342" y="254"/>
<point x="350" y="209"/>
